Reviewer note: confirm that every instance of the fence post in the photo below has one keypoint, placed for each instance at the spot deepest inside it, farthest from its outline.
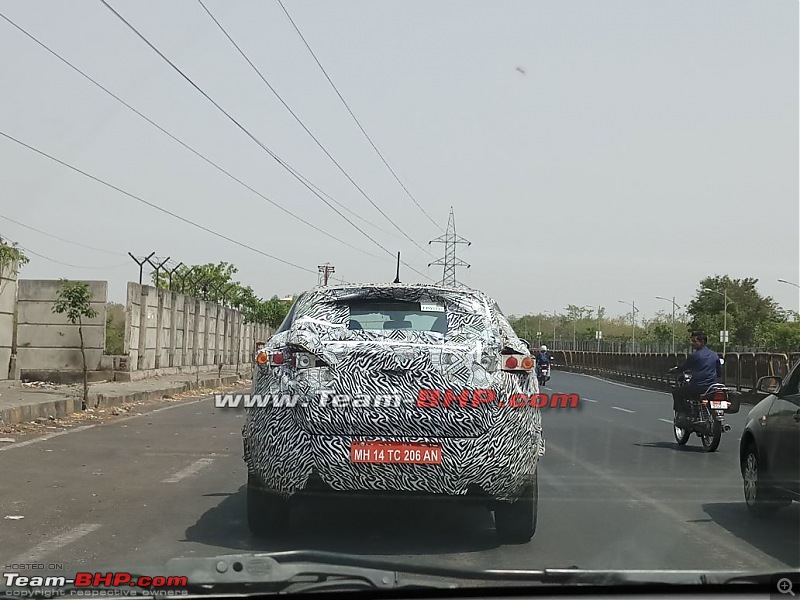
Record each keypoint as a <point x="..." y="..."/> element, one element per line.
<point x="142" y="350"/>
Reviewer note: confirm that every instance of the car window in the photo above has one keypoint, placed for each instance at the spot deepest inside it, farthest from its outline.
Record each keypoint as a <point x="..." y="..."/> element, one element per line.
<point x="287" y="321"/>
<point x="792" y="384"/>
<point x="506" y="331"/>
<point x="386" y="315"/>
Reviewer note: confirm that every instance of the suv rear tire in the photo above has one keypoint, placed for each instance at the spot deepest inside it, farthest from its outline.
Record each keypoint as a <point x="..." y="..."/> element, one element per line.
<point x="515" y="522"/>
<point x="267" y="513"/>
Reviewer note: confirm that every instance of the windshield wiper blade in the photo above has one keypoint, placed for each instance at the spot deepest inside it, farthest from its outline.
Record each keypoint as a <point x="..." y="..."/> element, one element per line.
<point x="334" y="569"/>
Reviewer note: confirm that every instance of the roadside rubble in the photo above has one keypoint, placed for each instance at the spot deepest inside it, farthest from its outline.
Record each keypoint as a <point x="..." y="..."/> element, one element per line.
<point x="49" y="424"/>
<point x="41" y="385"/>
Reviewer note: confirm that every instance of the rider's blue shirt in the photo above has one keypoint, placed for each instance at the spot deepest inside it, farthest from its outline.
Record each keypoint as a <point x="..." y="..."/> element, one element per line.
<point x="543" y="358"/>
<point x="704" y="365"/>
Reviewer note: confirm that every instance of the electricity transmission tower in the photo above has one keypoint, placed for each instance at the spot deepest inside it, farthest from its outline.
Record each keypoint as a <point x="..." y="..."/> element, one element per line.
<point x="450" y="262"/>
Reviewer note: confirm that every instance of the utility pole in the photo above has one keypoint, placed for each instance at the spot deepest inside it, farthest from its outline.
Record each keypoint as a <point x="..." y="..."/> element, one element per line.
<point x="599" y="331"/>
<point x="724" y="335"/>
<point x="325" y="272"/>
<point x="634" y="310"/>
<point x="795" y="285"/>
<point x="673" y="318"/>
<point x="450" y="262"/>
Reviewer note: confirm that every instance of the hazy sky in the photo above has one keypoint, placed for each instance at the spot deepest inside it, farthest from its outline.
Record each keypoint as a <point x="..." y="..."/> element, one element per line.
<point x="592" y="151"/>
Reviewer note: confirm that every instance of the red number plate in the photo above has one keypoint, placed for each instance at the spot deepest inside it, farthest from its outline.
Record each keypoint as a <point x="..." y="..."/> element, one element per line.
<point x="395" y="453"/>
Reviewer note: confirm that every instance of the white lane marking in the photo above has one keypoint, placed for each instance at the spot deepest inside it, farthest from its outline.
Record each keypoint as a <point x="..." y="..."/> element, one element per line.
<point x="37" y="553"/>
<point x="632" y="387"/>
<point x="666" y="421"/>
<point x="623" y="409"/>
<point x="190" y="470"/>
<point x="714" y="540"/>
<point x="46" y="437"/>
<point x="588" y="399"/>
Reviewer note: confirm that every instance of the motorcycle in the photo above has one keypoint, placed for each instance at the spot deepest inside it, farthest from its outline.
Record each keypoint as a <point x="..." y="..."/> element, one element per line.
<point x="707" y="414"/>
<point x="543" y="373"/>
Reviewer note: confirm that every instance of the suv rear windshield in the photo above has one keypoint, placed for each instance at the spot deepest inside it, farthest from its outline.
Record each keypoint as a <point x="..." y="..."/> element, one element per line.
<point x="383" y="315"/>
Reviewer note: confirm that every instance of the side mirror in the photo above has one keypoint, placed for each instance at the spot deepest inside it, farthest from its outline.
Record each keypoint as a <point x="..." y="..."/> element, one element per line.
<point x="526" y="342"/>
<point x="768" y="385"/>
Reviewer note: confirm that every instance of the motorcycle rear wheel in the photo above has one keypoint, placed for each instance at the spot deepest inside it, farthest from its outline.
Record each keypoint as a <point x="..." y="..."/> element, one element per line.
<point x="711" y="442"/>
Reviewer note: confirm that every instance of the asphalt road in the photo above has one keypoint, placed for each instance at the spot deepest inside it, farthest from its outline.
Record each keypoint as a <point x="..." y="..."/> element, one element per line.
<point x="616" y="492"/>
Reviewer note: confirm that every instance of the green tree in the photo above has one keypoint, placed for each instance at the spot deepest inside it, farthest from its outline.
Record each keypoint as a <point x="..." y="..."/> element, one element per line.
<point x="215" y="283"/>
<point x="781" y="337"/>
<point x="749" y="314"/>
<point x="11" y="257"/>
<point x="74" y="299"/>
<point x="207" y="281"/>
<point x="115" y="328"/>
<point x="275" y="311"/>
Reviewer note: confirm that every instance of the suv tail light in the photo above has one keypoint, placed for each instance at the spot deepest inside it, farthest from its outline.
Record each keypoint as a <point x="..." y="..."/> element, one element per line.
<point x="296" y="360"/>
<point x="265" y="357"/>
<point x="305" y="360"/>
<point x="517" y="362"/>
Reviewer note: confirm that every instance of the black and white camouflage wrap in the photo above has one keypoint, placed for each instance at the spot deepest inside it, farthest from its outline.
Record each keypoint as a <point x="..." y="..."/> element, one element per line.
<point x="493" y="447"/>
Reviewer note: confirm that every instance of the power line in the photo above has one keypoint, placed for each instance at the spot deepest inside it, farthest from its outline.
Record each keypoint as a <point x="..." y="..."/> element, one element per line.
<point x="347" y="106"/>
<point x="28" y="250"/>
<point x="60" y="238"/>
<point x="303" y="125"/>
<point x="151" y="205"/>
<point x="182" y="143"/>
<point x="246" y="131"/>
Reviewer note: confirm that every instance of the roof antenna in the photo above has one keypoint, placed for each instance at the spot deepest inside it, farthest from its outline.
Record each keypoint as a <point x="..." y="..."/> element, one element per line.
<point x="397" y="278"/>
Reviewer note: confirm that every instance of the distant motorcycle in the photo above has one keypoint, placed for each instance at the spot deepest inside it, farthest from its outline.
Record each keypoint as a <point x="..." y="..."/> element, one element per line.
<point x="707" y="414"/>
<point x="543" y="373"/>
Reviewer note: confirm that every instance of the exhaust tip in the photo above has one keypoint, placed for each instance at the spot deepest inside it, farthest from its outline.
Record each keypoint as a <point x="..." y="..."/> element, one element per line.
<point x="726" y="427"/>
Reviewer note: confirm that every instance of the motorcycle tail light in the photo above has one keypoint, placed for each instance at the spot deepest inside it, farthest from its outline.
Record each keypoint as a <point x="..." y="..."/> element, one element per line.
<point x="718" y="396"/>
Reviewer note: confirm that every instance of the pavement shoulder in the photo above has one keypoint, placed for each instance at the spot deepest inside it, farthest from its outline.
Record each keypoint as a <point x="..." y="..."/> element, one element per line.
<point x="40" y="401"/>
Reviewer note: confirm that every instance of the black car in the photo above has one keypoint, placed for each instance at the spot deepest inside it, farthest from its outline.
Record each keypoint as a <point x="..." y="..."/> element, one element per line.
<point x="770" y="448"/>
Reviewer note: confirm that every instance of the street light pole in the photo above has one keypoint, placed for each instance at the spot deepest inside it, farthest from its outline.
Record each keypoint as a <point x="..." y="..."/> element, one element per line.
<point x="633" y="320"/>
<point x="725" y="325"/>
<point x="673" y="324"/>
<point x="574" y="339"/>
<point x="673" y="318"/>
<point x="598" y="328"/>
<point x="798" y="287"/>
<point x="724" y="294"/>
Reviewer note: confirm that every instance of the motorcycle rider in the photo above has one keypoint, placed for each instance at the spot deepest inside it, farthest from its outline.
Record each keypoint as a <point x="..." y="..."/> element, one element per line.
<point x="542" y="358"/>
<point x="705" y="367"/>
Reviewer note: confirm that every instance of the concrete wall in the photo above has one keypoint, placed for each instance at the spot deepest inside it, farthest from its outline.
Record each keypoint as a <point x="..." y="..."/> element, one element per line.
<point x="47" y="341"/>
<point x="8" y="300"/>
<point x="166" y="329"/>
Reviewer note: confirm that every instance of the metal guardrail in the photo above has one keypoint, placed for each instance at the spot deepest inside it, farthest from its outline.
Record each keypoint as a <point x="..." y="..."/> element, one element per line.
<point x="741" y="370"/>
